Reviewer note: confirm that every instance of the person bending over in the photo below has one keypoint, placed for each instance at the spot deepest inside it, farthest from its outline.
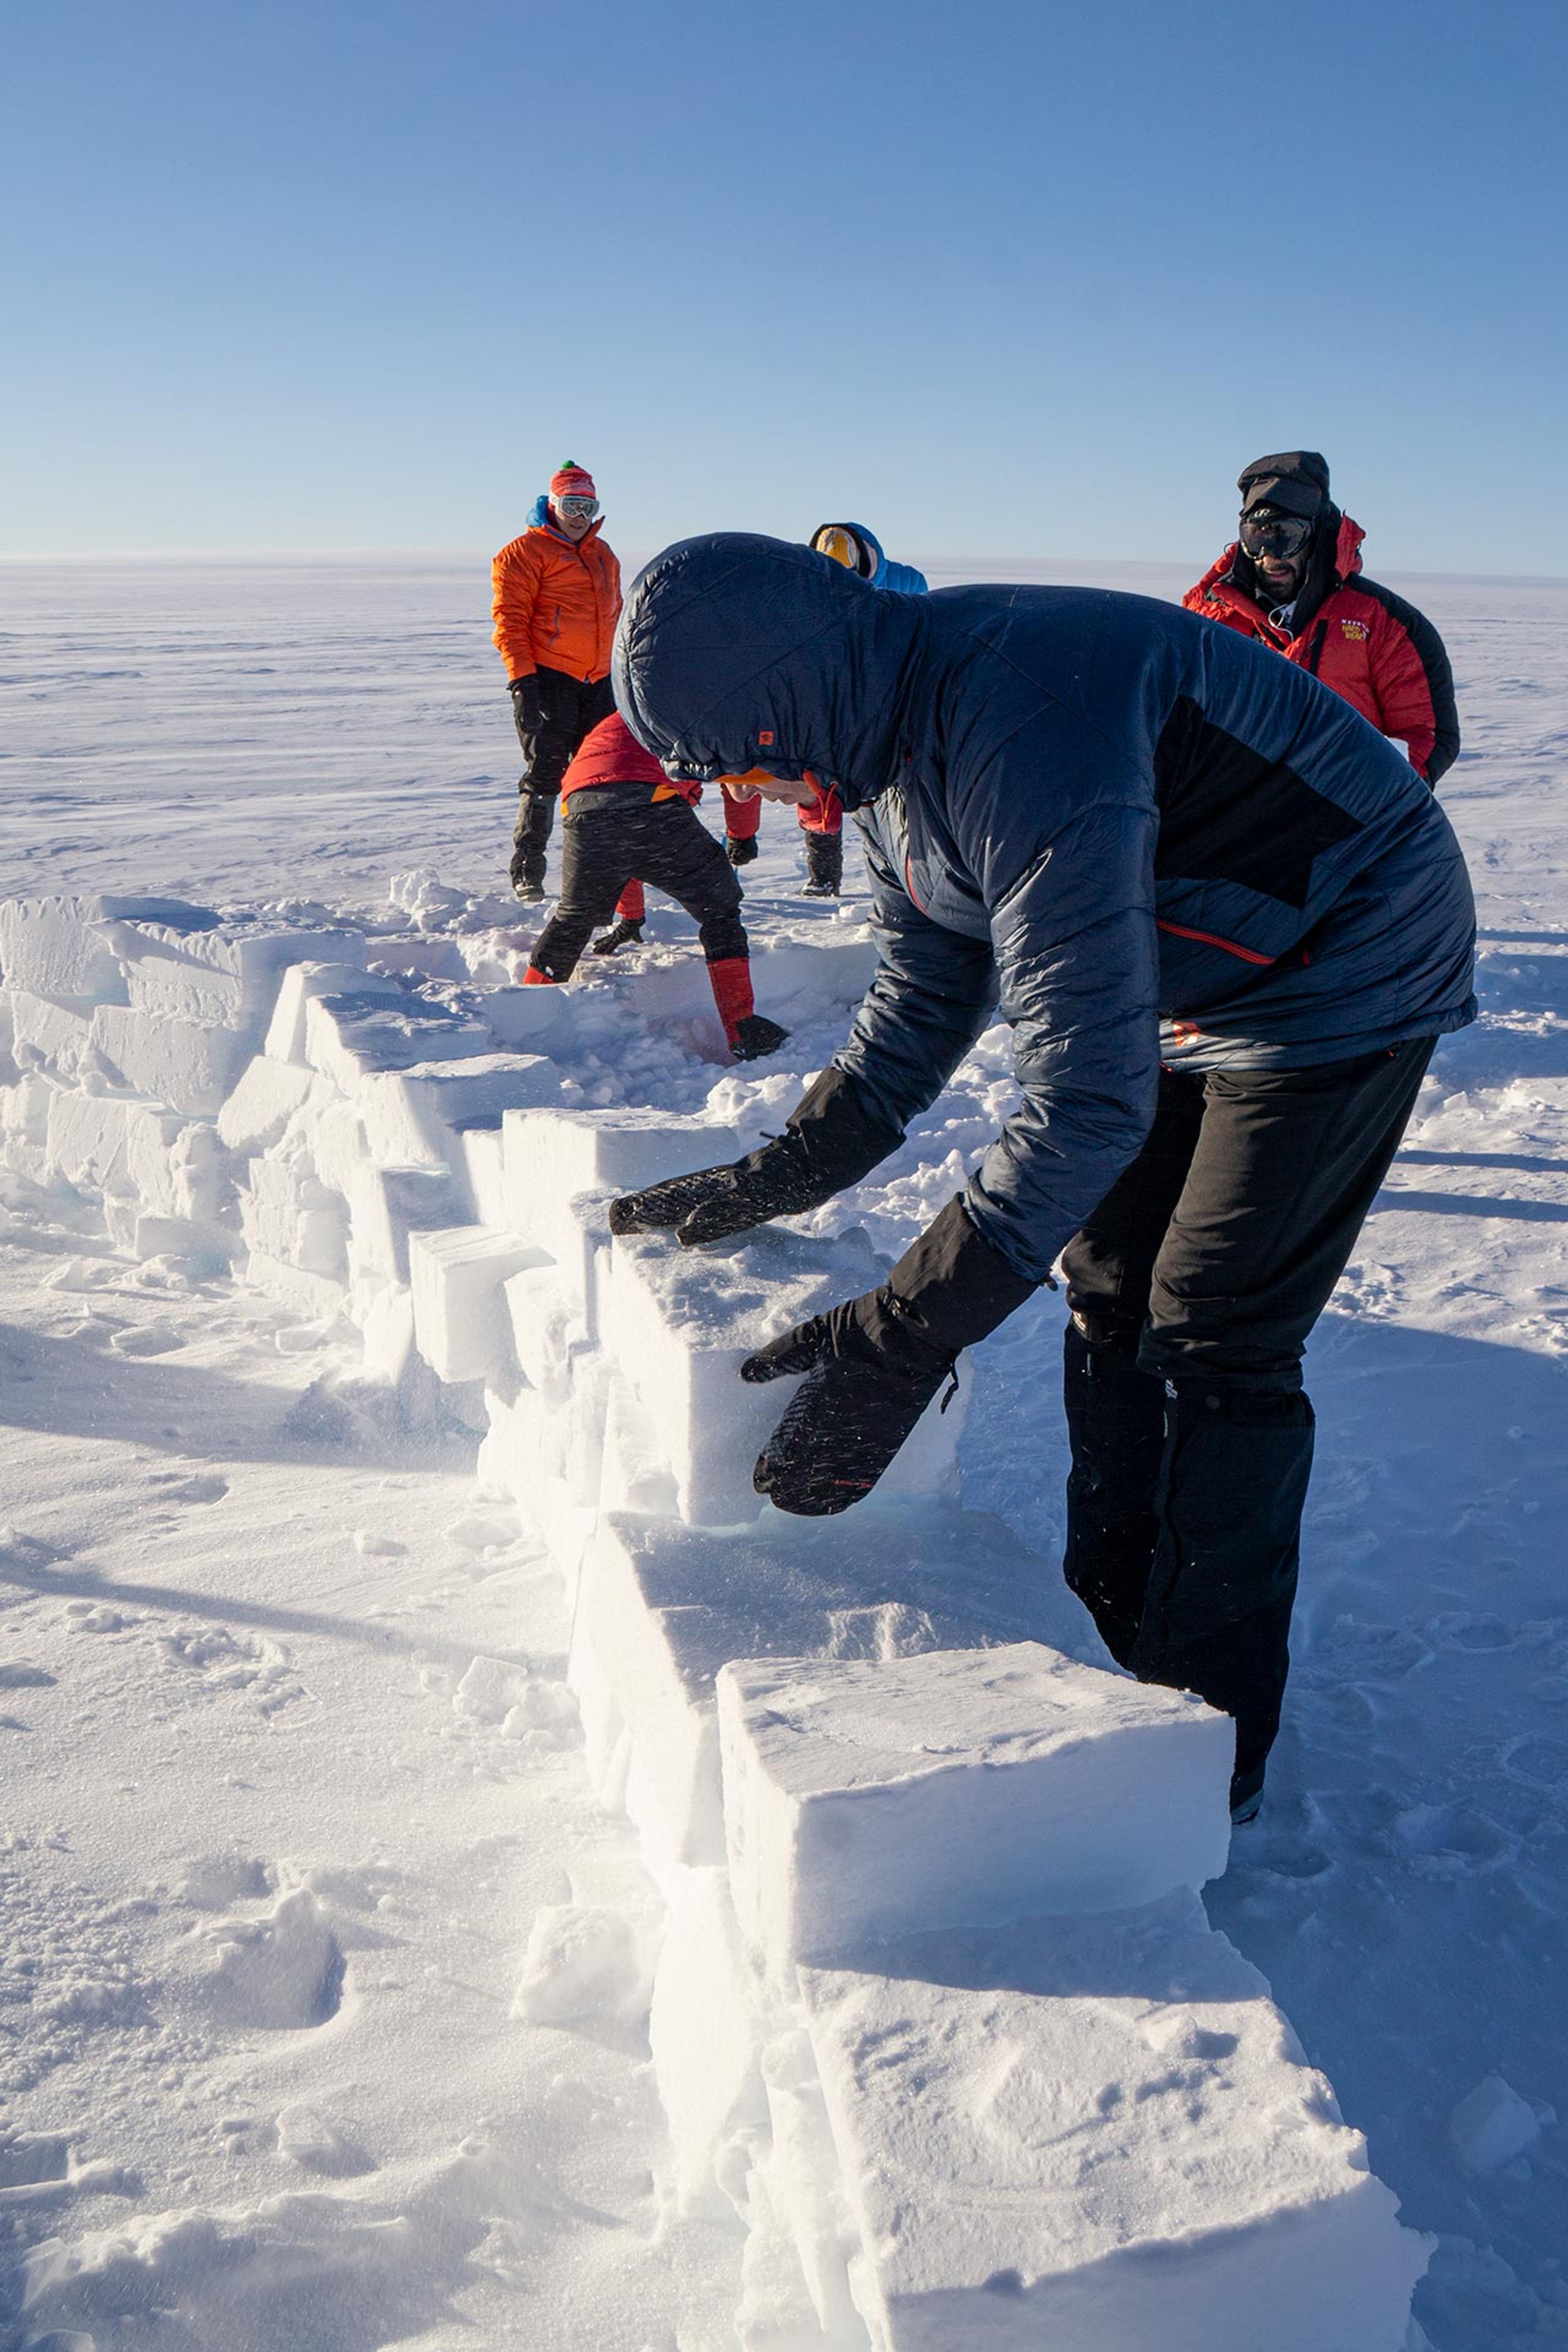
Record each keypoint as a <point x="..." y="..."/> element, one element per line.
<point x="622" y="817"/>
<point x="1226" y="922"/>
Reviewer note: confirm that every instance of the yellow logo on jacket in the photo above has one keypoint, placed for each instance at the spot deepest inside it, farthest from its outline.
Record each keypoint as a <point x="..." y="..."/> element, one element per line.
<point x="1357" y="629"/>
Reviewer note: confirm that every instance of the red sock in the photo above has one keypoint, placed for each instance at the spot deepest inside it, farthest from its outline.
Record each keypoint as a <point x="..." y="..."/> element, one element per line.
<point x="631" y="906"/>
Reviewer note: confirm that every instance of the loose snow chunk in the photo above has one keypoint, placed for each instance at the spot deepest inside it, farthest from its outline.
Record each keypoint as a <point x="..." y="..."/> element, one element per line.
<point x="459" y="1313"/>
<point x="351" y="1037"/>
<point x="189" y="1064"/>
<point x="230" y="976"/>
<point x="63" y="946"/>
<point x="257" y="1112"/>
<point x="959" y="1789"/>
<point x="1098" y="2133"/>
<point x="411" y="1115"/>
<point x="661" y="1608"/>
<point x="1493" y="2126"/>
<point x="681" y="1321"/>
<point x="301" y="982"/>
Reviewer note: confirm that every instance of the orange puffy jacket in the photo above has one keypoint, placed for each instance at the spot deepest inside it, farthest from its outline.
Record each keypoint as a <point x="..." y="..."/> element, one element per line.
<point x="555" y="604"/>
<point x="1383" y="656"/>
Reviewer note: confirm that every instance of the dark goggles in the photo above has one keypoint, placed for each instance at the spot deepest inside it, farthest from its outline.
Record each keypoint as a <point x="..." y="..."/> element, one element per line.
<point x="1280" y="536"/>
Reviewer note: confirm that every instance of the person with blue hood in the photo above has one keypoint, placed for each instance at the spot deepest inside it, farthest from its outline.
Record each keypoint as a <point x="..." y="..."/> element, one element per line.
<point x="1226" y="921"/>
<point x="822" y="823"/>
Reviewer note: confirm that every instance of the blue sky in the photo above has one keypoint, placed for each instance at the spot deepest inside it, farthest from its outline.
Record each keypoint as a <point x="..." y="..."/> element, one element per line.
<point x="999" y="278"/>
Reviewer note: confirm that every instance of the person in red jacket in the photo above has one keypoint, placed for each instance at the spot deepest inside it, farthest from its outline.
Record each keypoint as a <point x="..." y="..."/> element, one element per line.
<point x="555" y="600"/>
<point x="622" y="818"/>
<point x="1292" y="578"/>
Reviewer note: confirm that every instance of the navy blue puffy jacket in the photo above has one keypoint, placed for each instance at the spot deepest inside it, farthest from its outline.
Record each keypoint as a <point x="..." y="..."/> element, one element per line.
<point x="1101" y="809"/>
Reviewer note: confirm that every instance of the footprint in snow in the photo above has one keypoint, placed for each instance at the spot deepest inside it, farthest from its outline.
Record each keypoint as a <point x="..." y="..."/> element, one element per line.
<point x="281" y="1972"/>
<point x="205" y="1487"/>
<point x="20" y="1673"/>
<point x="228" y="1661"/>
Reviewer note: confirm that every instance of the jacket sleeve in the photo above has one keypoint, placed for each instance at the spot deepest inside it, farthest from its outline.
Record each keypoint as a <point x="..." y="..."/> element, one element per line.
<point x="1415" y="686"/>
<point x="1077" y="958"/>
<point x="514" y="586"/>
<point x="932" y="994"/>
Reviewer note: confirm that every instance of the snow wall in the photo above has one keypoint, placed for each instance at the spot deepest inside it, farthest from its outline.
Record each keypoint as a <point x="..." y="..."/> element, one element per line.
<point x="934" y="2008"/>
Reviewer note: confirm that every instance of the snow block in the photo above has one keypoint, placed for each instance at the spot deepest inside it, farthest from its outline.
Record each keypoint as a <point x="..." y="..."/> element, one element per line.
<point x="553" y="1155"/>
<point x="228" y="977"/>
<point x="480" y="1171"/>
<point x="459" y="1314"/>
<point x="411" y="1115"/>
<point x="704" y="2035"/>
<point x="86" y="1139"/>
<point x="64" y="948"/>
<point x="546" y="1331"/>
<point x="661" y="1608"/>
<point x="287" y="1213"/>
<point x="681" y="1321"/>
<point x="406" y="953"/>
<point x="262" y="1104"/>
<point x="188" y="1064"/>
<point x="286" y="1031"/>
<point x="55" y="1038"/>
<point x="960" y="1788"/>
<point x="1099" y="2134"/>
<point x="351" y="1036"/>
<point x="387" y="1205"/>
<point x="536" y="1019"/>
<point x="314" y="1298"/>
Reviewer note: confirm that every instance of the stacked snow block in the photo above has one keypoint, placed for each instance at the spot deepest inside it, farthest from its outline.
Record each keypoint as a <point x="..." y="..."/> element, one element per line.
<point x="936" y="2015"/>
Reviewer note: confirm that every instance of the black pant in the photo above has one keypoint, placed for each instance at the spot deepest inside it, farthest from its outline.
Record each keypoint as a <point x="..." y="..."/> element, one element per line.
<point x="570" y="708"/>
<point x="663" y="843"/>
<point x="1193" y="1288"/>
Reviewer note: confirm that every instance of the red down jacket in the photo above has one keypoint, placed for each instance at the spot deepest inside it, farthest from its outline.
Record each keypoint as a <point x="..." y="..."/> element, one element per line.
<point x="610" y="754"/>
<point x="1383" y="656"/>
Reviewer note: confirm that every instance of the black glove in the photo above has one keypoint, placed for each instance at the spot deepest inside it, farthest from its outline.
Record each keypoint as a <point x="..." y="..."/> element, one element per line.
<point x="873" y="1365"/>
<point x="738" y="852"/>
<point x="527" y="705"/>
<point x="831" y="1138"/>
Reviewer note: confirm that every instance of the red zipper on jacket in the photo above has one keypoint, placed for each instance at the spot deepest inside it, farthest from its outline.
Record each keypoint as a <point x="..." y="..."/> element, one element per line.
<point x="1210" y="940"/>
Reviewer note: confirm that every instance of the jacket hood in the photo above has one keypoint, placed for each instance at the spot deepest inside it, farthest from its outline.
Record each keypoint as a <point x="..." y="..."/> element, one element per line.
<point x="1295" y="480"/>
<point x="737" y="652"/>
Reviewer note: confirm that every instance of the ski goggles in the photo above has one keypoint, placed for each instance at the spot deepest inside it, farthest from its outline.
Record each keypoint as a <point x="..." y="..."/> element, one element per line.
<point x="1277" y="535"/>
<point x="576" y="509"/>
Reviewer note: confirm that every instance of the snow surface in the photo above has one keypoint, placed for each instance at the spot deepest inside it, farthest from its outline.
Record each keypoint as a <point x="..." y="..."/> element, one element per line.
<point x="329" y="1966"/>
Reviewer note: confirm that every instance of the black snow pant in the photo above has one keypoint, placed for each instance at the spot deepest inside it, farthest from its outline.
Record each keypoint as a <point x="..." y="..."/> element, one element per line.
<point x="571" y="707"/>
<point x="662" y="843"/>
<point x="1193" y="1289"/>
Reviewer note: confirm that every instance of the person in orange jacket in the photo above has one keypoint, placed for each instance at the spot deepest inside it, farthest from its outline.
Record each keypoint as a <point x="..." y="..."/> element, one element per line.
<point x="1292" y="579"/>
<point x="555" y="599"/>
<point x="623" y="818"/>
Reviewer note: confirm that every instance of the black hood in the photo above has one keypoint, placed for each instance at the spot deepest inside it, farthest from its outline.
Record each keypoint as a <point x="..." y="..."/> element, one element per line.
<point x="1295" y="480"/>
<point x="737" y="652"/>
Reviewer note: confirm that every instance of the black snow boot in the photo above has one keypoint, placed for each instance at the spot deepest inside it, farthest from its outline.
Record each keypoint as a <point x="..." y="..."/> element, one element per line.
<point x="824" y="866"/>
<point x="1217" y="1621"/>
<point x="740" y="853"/>
<point x="756" y="1036"/>
<point x="624" y="934"/>
<point x="531" y="836"/>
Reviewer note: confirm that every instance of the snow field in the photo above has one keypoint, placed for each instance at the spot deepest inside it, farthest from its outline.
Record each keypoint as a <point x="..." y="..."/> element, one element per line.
<point x="933" y="2006"/>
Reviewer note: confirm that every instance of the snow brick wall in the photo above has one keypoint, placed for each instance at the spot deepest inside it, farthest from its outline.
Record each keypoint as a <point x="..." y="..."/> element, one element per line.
<point x="934" y="2008"/>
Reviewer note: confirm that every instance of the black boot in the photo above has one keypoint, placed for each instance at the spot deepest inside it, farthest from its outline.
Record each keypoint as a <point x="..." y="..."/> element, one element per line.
<point x="1232" y="1484"/>
<point x="756" y="1036"/>
<point x="624" y="934"/>
<point x="531" y="836"/>
<point x="1116" y="1425"/>
<point x="824" y="865"/>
